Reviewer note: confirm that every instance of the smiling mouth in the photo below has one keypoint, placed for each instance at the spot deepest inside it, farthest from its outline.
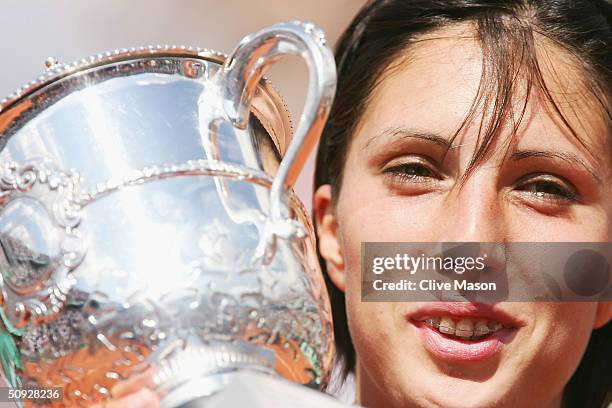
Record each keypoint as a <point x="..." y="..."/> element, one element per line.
<point x="464" y="328"/>
<point x="463" y="332"/>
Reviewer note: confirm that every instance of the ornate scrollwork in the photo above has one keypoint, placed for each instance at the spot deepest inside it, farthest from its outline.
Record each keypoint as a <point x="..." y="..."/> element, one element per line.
<point x="39" y="240"/>
<point x="39" y="272"/>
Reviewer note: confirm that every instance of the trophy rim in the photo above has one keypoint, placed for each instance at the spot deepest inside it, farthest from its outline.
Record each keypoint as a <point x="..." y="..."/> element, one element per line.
<point x="268" y="105"/>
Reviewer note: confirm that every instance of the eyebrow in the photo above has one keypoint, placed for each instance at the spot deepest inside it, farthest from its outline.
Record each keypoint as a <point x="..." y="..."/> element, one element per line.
<point x="410" y="133"/>
<point x="570" y="158"/>
<point x="445" y="143"/>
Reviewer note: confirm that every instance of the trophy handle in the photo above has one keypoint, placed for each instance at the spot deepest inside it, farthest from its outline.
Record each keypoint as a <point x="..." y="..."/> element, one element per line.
<point x="245" y="67"/>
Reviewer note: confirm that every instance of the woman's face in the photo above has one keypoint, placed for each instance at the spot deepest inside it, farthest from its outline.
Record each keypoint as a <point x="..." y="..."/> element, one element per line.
<point x="398" y="187"/>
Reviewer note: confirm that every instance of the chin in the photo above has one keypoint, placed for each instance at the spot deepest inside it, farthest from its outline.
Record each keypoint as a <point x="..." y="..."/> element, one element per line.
<point x="481" y="396"/>
<point x="435" y="389"/>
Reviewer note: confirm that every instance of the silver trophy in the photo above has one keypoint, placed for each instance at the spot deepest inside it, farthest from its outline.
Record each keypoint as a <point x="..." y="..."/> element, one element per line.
<point x="147" y="222"/>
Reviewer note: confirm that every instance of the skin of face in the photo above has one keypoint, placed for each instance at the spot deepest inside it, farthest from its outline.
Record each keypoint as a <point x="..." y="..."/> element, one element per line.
<point x="509" y="197"/>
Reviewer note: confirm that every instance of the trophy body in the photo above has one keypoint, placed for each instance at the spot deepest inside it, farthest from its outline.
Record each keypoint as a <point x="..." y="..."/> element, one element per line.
<point x="146" y="221"/>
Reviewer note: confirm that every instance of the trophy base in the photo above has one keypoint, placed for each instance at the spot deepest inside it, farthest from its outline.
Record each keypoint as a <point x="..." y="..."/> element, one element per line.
<point x="196" y="403"/>
<point x="190" y="369"/>
<point x="196" y="392"/>
<point x="256" y="390"/>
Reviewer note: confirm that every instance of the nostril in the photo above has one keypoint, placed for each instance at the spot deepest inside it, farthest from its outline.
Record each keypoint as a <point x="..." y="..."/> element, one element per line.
<point x="461" y="249"/>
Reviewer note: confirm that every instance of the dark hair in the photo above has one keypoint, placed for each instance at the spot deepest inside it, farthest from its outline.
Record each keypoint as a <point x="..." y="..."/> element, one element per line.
<point x="507" y="31"/>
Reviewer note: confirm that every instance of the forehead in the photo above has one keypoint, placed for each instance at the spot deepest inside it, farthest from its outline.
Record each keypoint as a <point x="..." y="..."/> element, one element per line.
<point x="433" y="85"/>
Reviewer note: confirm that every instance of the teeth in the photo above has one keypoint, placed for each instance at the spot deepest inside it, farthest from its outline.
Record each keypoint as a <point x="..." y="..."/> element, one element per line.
<point x="481" y="328"/>
<point x="447" y="325"/>
<point x="465" y="328"/>
<point x="433" y="322"/>
<point x="495" y="326"/>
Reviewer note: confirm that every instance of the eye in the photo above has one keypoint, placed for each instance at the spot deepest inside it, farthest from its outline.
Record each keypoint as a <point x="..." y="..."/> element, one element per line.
<point x="548" y="187"/>
<point x="416" y="171"/>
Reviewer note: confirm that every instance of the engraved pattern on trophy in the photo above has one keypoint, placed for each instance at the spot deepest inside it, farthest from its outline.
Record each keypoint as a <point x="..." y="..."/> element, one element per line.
<point x="58" y="337"/>
<point x="133" y="214"/>
<point x="237" y="316"/>
<point x="39" y="238"/>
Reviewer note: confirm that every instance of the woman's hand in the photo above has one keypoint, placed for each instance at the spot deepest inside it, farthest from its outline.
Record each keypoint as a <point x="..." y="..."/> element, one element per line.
<point x="137" y="392"/>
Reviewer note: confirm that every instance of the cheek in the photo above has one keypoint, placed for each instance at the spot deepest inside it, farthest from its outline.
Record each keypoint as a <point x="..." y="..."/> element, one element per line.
<point x="587" y="224"/>
<point x="571" y="321"/>
<point x="370" y="325"/>
<point x="380" y="349"/>
<point x="561" y="329"/>
<point x="367" y="211"/>
<point x="370" y="217"/>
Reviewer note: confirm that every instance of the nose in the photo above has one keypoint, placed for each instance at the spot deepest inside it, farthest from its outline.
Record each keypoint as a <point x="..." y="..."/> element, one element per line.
<point x="475" y="226"/>
<point x="473" y="211"/>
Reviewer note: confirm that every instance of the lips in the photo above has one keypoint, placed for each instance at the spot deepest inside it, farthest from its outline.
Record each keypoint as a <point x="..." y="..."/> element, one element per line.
<point x="463" y="332"/>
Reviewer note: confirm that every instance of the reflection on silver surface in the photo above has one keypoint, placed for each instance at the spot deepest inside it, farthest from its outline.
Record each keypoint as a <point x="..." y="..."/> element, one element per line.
<point x="145" y="221"/>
